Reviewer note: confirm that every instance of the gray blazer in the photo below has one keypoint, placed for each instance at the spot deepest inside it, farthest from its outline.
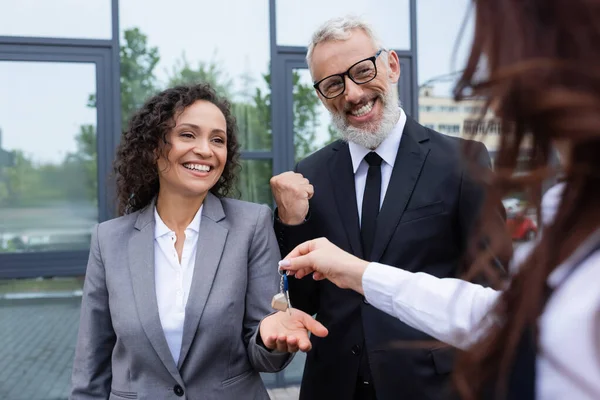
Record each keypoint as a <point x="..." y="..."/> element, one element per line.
<point x="121" y="350"/>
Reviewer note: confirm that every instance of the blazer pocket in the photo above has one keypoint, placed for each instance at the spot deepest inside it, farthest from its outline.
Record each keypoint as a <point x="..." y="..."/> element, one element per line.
<point x="428" y="210"/>
<point x="122" y="395"/>
<point x="237" y="378"/>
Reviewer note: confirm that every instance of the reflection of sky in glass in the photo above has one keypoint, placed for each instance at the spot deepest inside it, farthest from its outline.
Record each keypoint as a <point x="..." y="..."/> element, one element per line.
<point x="56" y="18"/>
<point x="297" y="20"/>
<point x="42" y="106"/>
<point x="438" y="27"/>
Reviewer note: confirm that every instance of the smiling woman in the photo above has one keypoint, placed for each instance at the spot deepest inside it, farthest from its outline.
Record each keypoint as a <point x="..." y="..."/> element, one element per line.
<point x="167" y="128"/>
<point x="181" y="259"/>
<point x="196" y="155"/>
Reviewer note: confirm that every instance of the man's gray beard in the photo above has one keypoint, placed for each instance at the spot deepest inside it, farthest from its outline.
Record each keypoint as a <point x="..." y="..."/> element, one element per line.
<point x="371" y="136"/>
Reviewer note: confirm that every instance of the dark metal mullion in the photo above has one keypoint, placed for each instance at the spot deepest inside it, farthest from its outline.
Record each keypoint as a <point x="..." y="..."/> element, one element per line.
<point x="103" y="129"/>
<point x="39" y="54"/>
<point x="278" y="141"/>
<point x="32" y="265"/>
<point x="49" y="41"/>
<point x="414" y="61"/>
<point x="256" y="155"/>
<point x="284" y="50"/>
<point x="113" y="134"/>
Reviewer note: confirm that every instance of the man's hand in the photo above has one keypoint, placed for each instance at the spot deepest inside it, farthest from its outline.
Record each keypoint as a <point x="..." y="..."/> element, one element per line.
<point x="288" y="332"/>
<point x="326" y="261"/>
<point x="292" y="192"/>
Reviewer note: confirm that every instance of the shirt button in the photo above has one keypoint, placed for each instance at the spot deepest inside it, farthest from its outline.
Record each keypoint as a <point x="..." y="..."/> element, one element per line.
<point x="355" y="349"/>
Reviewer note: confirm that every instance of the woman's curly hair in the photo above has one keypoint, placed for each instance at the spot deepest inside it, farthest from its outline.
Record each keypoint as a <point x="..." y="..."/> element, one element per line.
<point x="135" y="166"/>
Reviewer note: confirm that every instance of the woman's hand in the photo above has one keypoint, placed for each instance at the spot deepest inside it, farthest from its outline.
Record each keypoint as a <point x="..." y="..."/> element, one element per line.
<point x="288" y="332"/>
<point x="326" y="261"/>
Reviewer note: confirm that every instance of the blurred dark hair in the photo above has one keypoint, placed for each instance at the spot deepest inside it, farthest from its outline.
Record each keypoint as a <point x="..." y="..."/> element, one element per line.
<point x="138" y="152"/>
<point x="541" y="74"/>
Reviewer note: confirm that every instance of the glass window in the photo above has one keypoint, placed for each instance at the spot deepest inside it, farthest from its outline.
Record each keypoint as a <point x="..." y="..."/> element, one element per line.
<point x="48" y="162"/>
<point x="224" y="43"/>
<point x="253" y="183"/>
<point x="442" y="55"/>
<point x="89" y="19"/>
<point x="440" y="61"/>
<point x="312" y="121"/>
<point x="297" y="20"/>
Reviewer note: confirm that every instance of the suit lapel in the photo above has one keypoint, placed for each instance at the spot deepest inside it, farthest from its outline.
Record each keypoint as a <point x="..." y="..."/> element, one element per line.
<point x="410" y="159"/>
<point x="211" y="242"/>
<point x="342" y="182"/>
<point x="141" y="266"/>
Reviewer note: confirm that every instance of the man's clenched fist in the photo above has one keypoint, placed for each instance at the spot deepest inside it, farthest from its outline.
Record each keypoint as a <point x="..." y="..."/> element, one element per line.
<point x="292" y="192"/>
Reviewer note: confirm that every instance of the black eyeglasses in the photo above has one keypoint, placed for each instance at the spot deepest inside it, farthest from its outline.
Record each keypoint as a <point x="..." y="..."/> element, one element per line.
<point x="362" y="72"/>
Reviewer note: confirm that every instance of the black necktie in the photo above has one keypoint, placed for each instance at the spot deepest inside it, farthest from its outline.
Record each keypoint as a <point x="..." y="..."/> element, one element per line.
<point x="370" y="205"/>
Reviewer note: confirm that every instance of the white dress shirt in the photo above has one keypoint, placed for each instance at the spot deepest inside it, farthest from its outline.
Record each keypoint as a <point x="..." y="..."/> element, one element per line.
<point x="174" y="279"/>
<point x="387" y="150"/>
<point x="457" y="312"/>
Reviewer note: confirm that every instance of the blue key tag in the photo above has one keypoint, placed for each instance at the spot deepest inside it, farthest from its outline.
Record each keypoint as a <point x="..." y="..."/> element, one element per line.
<point x="286" y="292"/>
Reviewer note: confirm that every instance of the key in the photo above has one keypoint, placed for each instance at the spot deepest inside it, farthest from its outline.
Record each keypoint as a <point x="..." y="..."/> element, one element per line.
<point x="287" y="292"/>
<point x="281" y="301"/>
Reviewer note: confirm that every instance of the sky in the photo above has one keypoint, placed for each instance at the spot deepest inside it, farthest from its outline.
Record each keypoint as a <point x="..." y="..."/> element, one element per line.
<point x="43" y="104"/>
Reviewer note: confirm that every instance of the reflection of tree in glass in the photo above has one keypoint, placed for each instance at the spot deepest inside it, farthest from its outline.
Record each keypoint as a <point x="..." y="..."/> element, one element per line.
<point x="306" y="121"/>
<point x="209" y="72"/>
<point x="138" y="82"/>
<point x="27" y="184"/>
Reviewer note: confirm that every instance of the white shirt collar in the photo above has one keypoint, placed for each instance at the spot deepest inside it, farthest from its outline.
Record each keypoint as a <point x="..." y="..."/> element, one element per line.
<point x="161" y="229"/>
<point x="387" y="150"/>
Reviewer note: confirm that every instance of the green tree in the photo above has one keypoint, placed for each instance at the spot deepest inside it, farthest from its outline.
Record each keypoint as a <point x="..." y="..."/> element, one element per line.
<point x="210" y="72"/>
<point x="138" y="82"/>
<point x="333" y="134"/>
<point x="306" y="115"/>
<point x="138" y="62"/>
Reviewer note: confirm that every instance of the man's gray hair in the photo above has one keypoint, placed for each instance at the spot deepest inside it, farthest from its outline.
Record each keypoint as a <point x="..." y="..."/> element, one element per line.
<point x="339" y="29"/>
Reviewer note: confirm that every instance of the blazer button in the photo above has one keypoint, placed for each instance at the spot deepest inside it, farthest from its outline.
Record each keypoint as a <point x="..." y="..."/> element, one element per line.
<point x="355" y="349"/>
<point x="365" y="300"/>
<point x="178" y="390"/>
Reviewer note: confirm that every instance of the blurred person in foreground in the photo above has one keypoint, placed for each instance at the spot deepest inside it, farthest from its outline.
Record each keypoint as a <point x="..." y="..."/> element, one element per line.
<point x="538" y="337"/>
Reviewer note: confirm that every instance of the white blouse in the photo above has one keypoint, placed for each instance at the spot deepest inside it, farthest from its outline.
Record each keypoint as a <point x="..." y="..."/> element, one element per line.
<point x="456" y="312"/>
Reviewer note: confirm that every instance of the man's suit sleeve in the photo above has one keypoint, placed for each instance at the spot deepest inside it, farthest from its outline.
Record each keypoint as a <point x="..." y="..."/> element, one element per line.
<point x="304" y="293"/>
<point x="92" y="375"/>
<point x="263" y="283"/>
<point x="473" y="234"/>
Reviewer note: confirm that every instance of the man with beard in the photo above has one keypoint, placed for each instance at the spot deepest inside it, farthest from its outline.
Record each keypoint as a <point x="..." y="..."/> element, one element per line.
<point x="390" y="191"/>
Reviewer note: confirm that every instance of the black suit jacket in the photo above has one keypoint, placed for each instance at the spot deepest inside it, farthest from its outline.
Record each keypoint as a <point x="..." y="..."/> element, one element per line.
<point x="430" y="206"/>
